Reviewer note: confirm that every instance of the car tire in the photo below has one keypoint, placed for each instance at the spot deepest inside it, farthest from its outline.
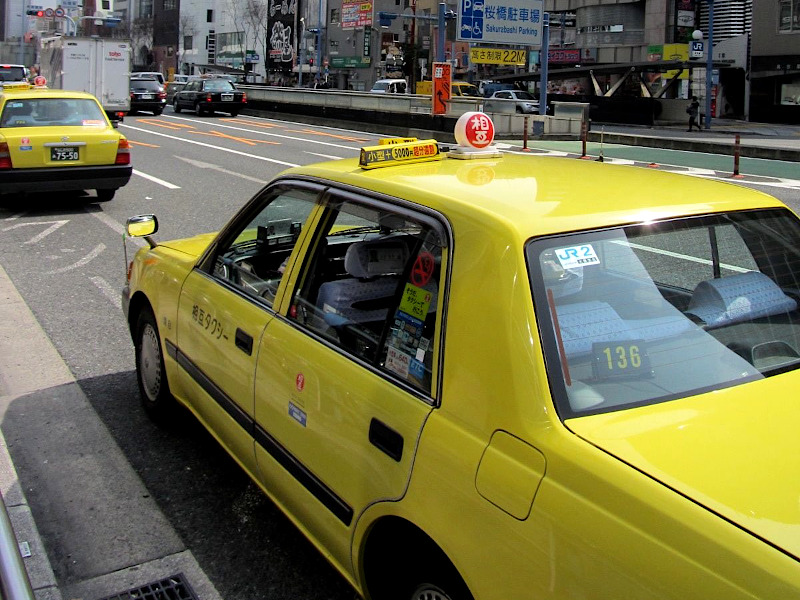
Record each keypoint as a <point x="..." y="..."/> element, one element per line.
<point x="175" y="107"/>
<point x="234" y="113"/>
<point x="519" y="110"/>
<point x="105" y="195"/>
<point x="151" y="375"/>
<point x="158" y="112"/>
<point x="198" y="110"/>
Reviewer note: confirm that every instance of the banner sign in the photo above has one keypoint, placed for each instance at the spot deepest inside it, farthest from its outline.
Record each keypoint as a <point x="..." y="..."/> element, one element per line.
<point x="356" y="14"/>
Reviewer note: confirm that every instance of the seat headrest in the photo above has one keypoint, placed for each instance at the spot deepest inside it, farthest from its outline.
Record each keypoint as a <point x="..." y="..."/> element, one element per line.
<point x="373" y="258"/>
<point x="737" y="298"/>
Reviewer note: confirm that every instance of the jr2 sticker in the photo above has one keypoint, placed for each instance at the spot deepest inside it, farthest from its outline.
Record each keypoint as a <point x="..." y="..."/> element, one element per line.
<point x="577" y="256"/>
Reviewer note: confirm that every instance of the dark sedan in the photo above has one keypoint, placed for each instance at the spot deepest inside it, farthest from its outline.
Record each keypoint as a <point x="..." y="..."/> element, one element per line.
<point x="209" y="96"/>
<point x="147" y="95"/>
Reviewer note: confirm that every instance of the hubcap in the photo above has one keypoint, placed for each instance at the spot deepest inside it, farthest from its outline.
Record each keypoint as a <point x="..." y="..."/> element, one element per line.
<point x="429" y="592"/>
<point x="150" y="363"/>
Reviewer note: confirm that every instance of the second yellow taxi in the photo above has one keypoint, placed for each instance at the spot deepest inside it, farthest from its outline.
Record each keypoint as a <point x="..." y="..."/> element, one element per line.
<point x="57" y="140"/>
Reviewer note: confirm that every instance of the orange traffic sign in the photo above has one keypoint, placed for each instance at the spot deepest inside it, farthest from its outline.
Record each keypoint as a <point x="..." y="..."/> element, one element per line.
<point x="442" y="73"/>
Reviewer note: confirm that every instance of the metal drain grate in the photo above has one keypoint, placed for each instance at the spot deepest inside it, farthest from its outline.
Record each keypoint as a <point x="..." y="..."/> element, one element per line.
<point x="172" y="588"/>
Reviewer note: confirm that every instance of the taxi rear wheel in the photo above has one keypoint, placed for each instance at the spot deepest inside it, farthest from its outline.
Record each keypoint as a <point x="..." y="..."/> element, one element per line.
<point x="175" y="106"/>
<point x="198" y="109"/>
<point x="150" y="374"/>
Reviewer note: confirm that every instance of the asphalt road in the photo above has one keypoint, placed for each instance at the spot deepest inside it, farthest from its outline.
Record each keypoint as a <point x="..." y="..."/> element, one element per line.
<point x="116" y="498"/>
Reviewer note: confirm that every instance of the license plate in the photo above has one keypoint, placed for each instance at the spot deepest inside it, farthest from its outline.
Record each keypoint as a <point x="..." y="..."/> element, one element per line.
<point x="147" y="96"/>
<point x="63" y="154"/>
<point x="227" y="97"/>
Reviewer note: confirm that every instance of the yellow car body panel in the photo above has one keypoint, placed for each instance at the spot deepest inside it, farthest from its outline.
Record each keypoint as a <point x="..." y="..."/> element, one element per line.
<point x="683" y="444"/>
<point x="632" y="504"/>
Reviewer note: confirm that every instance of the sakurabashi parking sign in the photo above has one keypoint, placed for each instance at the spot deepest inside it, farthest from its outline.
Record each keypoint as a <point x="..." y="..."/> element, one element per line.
<point x="516" y="22"/>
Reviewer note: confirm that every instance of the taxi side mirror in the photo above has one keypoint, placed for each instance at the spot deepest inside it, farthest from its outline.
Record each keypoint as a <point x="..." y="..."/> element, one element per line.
<point x="141" y="225"/>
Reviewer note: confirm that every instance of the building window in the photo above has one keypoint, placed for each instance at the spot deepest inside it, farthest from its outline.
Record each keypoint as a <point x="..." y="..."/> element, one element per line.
<point x="335" y="16"/>
<point x="146" y="8"/>
<point x="170" y="4"/>
<point x="209" y="16"/>
<point x="789" y="15"/>
<point x="188" y="40"/>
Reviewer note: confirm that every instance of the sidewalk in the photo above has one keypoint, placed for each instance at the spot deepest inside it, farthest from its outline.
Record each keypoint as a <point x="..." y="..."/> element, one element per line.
<point x="757" y="140"/>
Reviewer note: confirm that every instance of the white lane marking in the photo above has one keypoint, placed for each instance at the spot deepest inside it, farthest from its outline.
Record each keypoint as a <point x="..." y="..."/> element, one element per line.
<point x="328" y="156"/>
<point x="204" y="165"/>
<point x="702" y="261"/>
<point x="37" y="238"/>
<point x="213" y="147"/>
<point x="619" y="161"/>
<point x="104" y="218"/>
<point x="85" y="260"/>
<point x="787" y="184"/>
<point x="166" y="184"/>
<point x="108" y="291"/>
<point x="14" y="217"/>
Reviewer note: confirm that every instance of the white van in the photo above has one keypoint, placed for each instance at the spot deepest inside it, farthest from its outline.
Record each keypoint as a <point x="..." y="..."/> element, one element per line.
<point x="390" y="86"/>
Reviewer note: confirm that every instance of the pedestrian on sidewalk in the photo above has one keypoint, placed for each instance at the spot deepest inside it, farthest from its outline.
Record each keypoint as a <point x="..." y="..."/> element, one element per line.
<point x="693" y="109"/>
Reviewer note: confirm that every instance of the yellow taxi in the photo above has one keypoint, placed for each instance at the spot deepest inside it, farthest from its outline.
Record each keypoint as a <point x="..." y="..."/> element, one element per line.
<point x="467" y="374"/>
<point x="57" y="140"/>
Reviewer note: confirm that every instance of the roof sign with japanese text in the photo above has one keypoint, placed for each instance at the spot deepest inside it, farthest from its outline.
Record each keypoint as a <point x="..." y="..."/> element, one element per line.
<point x="356" y="14"/>
<point x="517" y="22"/>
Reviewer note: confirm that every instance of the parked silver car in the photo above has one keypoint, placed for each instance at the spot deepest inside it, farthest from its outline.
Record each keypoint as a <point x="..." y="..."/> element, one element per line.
<point x="505" y="101"/>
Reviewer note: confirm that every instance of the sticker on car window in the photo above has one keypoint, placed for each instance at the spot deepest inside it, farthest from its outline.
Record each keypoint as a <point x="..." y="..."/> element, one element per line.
<point x="397" y="362"/>
<point x="93" y="123"/>
<point x="577" y="256"/>
<point x="415" y="301"/>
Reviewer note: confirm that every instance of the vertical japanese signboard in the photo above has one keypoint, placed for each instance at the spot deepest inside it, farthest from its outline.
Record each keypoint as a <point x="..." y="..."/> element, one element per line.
<point x="281" y="41"/>
<point x="442" y="73"/>
<point x="517" y="22"/>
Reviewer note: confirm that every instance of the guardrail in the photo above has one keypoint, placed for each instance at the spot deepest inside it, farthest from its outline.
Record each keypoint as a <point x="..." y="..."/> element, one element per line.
<point x="364" y="106"/>
<point x="14" y="582"/>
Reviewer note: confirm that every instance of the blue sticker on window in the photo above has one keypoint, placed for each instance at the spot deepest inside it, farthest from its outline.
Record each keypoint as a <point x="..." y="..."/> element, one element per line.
<point x="297" y="414"/>
<point x="416" y="369"/>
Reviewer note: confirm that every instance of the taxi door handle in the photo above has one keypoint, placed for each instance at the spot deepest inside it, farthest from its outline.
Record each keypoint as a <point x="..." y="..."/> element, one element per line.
<point x="244" y="342"/>
<point x="386" y="439"/>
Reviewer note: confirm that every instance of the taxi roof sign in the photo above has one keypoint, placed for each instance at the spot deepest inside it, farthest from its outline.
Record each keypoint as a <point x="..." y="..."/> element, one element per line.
<point x="386" y="155"/>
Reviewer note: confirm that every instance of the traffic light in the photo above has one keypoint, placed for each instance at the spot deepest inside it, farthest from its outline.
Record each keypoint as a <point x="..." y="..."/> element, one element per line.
<point x="311" y="62"/>
<point x="35" y="13"/>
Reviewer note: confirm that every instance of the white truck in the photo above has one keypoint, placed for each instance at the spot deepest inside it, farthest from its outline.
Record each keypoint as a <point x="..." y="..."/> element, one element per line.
<point x="100" y="66"/>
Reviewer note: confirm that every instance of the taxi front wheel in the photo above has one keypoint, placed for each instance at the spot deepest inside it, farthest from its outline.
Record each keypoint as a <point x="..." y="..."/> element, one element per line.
<point x="150" y="374"/>
<point x="175" y="106"/>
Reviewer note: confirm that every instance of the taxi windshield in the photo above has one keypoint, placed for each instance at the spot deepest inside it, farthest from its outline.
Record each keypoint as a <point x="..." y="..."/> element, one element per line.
<point x="44" y="112"/>
<point x="654" y="312"/>
<point x="466" y="90"/>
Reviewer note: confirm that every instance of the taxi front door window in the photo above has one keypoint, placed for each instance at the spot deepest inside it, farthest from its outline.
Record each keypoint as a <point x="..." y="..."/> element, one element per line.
<point x="371" y="288"/>
<point x="254" y="256"/>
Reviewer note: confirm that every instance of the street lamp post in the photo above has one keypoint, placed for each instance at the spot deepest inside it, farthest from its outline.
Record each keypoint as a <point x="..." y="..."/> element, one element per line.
<point x="709" y="62"/>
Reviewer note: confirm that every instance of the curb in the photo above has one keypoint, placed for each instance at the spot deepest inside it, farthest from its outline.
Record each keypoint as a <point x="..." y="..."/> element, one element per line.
<point x="721" y="147"/>
<point x="16" y="316"/>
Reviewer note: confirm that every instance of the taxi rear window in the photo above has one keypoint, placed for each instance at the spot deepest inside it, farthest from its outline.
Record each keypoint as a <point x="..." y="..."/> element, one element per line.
<point x="649" y="313"/>
<point x="44" y="112"/>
